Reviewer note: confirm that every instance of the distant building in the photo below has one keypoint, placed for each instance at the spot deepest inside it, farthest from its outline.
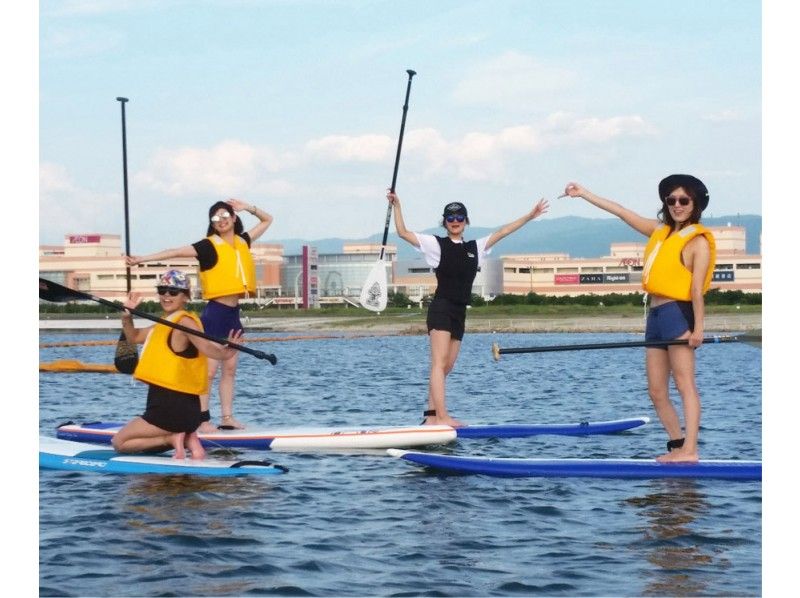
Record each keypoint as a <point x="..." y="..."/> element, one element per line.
<point x="558" y="274"/>
<point x="94" y="263"/>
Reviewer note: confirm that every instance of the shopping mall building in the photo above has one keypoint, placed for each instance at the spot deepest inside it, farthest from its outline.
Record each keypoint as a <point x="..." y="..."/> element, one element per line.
<point x="94" y="263"/>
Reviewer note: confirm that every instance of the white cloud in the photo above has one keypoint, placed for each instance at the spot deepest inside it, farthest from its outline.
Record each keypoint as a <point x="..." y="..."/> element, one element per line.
<point x="343" y="148"/>
<point x="512" y="79"/>
<point x="229" y="168"/>
<point x="66" y="208"/>
<point x="234" y="167"/>
<point x="566" y="129"/>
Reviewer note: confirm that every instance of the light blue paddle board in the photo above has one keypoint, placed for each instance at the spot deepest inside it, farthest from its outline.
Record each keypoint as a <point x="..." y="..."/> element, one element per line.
<point x="78" y="456"/>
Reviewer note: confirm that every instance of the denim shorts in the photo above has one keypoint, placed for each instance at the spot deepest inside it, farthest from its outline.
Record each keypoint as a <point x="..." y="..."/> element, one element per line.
<point x="669" y="321"/>
<point x="219" y="319"/>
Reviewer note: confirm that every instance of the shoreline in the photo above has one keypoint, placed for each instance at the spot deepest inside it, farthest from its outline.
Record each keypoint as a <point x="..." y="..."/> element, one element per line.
<point x="399" y="325"/>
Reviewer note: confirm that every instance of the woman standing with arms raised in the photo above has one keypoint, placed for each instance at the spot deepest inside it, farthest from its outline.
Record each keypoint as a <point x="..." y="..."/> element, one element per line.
<point x="678" y="266"/>
<point x="227" y="274"/>
<point x="456" y="263"/>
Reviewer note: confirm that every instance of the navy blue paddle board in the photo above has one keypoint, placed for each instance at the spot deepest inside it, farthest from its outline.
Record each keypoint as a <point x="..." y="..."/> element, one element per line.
<point x="523" y="430"/>
<point x="593" y="468"/>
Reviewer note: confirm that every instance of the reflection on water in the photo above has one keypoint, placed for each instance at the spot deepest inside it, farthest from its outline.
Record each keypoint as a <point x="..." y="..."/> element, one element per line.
<point x="670" y="540"/>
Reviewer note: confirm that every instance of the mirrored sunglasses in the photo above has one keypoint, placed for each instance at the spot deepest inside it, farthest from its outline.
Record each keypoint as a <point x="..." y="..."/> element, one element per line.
<point x="220" y="216"/>
<point x="684" y="201"/>
<point x="455" y="218"/>
<point x="171" y="291"/>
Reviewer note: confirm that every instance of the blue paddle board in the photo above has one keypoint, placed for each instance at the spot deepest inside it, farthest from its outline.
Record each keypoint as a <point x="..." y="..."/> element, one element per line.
<point x="583" y="428"/>
<point x="593" y="468"/>
<point x="77" y="456"/>
<point x="286" y="438"/>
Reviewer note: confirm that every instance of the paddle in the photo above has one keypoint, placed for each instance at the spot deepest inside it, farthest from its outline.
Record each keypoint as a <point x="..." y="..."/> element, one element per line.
<point x="126" y="357"/>
<point x="52" y="291"/>
<point x="752" y="339"/>
<point x="375" y="292"/>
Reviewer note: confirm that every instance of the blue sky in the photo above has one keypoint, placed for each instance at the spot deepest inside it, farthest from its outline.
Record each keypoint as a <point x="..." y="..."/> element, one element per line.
<point x="296" y="106"/>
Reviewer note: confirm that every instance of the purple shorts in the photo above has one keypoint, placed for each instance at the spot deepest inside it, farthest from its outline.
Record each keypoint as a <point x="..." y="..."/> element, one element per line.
<point x="219" y="319"/>
<point x="669" y="321"/>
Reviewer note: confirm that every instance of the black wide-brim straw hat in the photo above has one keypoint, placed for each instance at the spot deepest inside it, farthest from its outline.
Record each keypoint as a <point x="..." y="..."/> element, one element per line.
<point x="454" y="207"/>
<point x="687" y="181"/>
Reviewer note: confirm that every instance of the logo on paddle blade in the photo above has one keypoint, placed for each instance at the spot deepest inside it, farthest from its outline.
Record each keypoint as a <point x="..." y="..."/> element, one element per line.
<point x="373" y="298"/>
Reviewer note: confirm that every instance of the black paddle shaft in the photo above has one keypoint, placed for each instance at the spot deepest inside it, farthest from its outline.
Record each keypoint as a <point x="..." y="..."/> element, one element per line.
<point x="51" y="291"/>
<point x="745" y="338"/>
<point x="397" y="161"/>
<point x="122" y="102"/>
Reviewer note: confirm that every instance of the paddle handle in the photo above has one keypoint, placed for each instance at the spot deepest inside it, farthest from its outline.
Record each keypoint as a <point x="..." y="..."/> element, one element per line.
<point x="397" y="162"/>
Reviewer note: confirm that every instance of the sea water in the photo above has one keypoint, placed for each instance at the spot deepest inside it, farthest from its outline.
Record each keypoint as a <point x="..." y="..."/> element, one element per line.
<point x="365" y="524"/>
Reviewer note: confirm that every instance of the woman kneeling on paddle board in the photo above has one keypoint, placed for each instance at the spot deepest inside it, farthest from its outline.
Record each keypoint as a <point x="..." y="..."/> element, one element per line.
<point x="174" y="366"/>
<point x="678" y="267"/>
<point x="456" y="262"/>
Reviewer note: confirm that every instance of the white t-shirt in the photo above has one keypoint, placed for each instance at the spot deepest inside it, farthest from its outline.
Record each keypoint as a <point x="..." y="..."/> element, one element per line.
<point x="429" y="247"/>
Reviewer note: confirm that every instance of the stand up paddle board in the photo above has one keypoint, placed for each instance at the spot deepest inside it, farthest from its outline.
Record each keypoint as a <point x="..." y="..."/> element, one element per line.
<point x="593" y="468"/>
<point x="286" y="438"/>
<point x="77" y="456"/>
<point x="523" y="430"/>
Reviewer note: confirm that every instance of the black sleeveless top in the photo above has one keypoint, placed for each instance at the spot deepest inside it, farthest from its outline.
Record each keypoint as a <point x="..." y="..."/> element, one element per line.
<point x="458" y="266"/>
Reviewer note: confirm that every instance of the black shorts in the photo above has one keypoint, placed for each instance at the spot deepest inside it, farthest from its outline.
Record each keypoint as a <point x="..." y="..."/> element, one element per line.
<point x="172" y="410"/>
<point x="443" y="314"/>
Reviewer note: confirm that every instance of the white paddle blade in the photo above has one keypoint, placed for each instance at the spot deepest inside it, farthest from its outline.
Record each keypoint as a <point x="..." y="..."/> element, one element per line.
<point x="375" y="292"/>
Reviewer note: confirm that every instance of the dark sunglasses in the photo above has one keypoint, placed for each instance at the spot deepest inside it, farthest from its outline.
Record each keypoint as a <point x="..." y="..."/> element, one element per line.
<point x="455" y="218"/>
<point x="684" y="201"/>
<point x="172" y="292"/>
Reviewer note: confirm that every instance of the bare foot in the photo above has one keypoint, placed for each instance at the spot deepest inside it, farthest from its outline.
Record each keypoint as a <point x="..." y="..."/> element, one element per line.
<point x="194" y="445"/>
<point x="177" y="443"/>
<point x="679" y="456"/>
<point x="230" y="421"/>
<point x="207" y="428"/>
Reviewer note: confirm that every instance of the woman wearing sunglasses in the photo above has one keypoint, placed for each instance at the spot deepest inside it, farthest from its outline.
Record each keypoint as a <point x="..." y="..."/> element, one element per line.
<point x="227" y="274"/>
<point x="174" y="366"/>
<point x="456" y="263"/>
<point x="678" y="266"/>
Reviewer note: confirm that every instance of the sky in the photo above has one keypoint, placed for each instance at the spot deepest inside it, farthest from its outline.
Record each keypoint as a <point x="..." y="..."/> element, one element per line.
<point x="295" y="106"/>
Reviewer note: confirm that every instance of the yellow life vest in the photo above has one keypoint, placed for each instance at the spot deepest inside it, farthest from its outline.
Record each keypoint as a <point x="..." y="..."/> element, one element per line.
<point x="664" y="273"/>
<point x="158" y="363"/>
<point x="233" y="274"/>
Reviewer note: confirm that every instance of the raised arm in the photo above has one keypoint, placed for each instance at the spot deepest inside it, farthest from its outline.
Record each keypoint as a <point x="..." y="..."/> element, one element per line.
<point x="399" y="223"/>
<point x="135" y="336"/>
<point x="646" y="226"/>
<point x="186" y="251"/>
<point x="264" y="219"/>
<point x="505" y="230"/>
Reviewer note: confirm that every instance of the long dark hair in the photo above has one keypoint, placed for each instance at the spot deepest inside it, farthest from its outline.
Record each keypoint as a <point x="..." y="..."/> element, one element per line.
<point x="238" y="227"/>
<point x="693" y="187"/>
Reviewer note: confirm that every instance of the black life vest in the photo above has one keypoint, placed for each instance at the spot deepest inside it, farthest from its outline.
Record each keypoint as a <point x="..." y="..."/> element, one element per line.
<point x="458" y="266"/>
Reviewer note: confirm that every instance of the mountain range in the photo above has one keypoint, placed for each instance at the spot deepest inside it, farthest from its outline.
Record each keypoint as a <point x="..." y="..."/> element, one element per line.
<point x="579" y="237"/>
